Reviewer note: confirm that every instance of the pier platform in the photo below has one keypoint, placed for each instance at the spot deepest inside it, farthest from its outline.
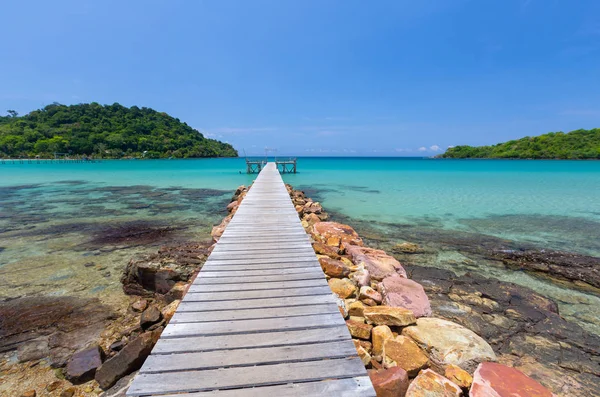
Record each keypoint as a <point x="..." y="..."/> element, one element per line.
<point x="260" y="319"/>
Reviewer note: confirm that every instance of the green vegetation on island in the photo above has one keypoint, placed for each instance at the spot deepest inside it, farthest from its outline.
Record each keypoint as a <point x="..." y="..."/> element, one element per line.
<point x="109" y="131"/>
<point x="578" y="144"/>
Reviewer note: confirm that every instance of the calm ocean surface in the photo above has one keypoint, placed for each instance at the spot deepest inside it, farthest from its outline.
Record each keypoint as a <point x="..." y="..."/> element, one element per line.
<point x="51" y="213"/>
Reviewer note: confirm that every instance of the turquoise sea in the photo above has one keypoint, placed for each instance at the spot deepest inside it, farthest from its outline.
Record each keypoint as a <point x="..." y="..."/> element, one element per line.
<point x="70" y="228"/>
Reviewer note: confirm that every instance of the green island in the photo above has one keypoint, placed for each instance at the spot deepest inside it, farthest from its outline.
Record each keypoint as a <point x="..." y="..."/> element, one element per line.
<point x="106" y="131"/>
<point x="574" y="145"/>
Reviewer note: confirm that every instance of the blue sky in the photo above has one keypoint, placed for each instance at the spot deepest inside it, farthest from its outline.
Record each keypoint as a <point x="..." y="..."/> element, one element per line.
<point x="393" y="78"/>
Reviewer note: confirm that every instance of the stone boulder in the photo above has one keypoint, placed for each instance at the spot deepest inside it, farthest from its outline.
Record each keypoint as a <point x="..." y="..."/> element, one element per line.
<point x="458" y="376"/>
<point x="386" y="315"/>
<point x="83" y="364"/>
<point x="334" y="268"/>
<point x="376" y="262"/>
<point x="327" y="250"/>
<point x="343" y="288"/>
<point x="367" y="292"/>
<point x="127" y="360"/>
<point x="391" y="382"/>
<point x="404" y="353"/>
<point x="217" y="231"/>
<point x="311" y="220"/>
<point x="361" y="277"/>
<point x="379" y="335"/>
<point x="335" y="234"/>
<point x="169" y="310"/>
<point x="497" y="380"/>
<point x="149" y="317"/>
<point x="402" y="292"/>
<point x="449" y="343"/>
<point x="431" y="384"/>
<point x="359" y="329"/>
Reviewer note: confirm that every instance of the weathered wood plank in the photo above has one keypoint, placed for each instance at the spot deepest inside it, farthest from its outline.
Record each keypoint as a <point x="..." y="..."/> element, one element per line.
<point x="251" y="314"/>
<point x="211" y="272"/>
<point x="251" y="326"/>
<point x="350" y="387"/>
<point x="237" y="377"/>
<point x="245" y="357"/>
<point x="192" y="296"/>
<point x="259" y="279"/>
<point x="261" y="266"/>
<point x="209" y="287"/>
<point x="291" y="258"/>
<point x="189" y="305"/>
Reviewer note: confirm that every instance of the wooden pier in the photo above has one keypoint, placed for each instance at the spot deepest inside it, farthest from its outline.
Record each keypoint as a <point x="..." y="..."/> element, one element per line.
<point x="287" y="166"/>
<point x="260" y="319"/>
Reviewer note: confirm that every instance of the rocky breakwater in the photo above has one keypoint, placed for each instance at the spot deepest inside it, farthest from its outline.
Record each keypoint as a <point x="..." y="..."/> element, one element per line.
<point x="420" y="335"/>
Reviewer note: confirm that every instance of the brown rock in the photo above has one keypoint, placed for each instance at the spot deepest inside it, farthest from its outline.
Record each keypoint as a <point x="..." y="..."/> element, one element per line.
<point x="334" y="234"/>
<point x="127" y="360"/>
<point x="431" y="384"/>
<point x="54" y="385"/>
<point x="334" y="267"/>
<point x="407" y="248"/>
<point x="359" y="330"/>
<point x="150" y="316"/>
<point x="401" y="292"/>
<point x="362" y="277"/>
<point x="356" y="309"/>
<point x="386" y="315"/>
<point x="311" y="220"/>
<point x="391" y="382"/>
<point x="365" y="344"/>
<point x="69" y="392"/>
<point x="379" y="335"/>
<point x="343" y="288"/>
<point x="169" y="310"/>
<point x="364" y="355"/>
<point x="369" y="302"/>
<point x="459" y="376"/>
<point x="376" y="262"/>
<point x="406" y="354"/>
<point x="177" y="292"/>
<point x="82" y="366"/>
<point x="327" y="250"/>
<point x="492" y="379"/>
<point x="29" y="393"/>
<point x="367" y="292"/>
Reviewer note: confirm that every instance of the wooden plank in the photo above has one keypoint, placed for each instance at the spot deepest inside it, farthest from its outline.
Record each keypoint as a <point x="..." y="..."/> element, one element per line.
<point x="251" y="314"/>
<point x="246" y="357"/>
<point x="256" y="286"/>
<point x="189" y="305"/>
<point x="256" y="294"/>
<point x="350" y="387"/>
<point x="252" y="326"/>
<point x="279" y="254"/>
<point x="259" y="266"/>
<point x="255" y="279"/>
<point x="291" y="258"/>
<point x="237" y="377"/>
<point x="213" y="273"/>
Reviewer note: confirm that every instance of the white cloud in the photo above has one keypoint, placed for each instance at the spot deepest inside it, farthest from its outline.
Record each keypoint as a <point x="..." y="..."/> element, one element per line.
<point x="450" y="147"/>
<point x="422" y="149"/>
<point x="434" y="148"/>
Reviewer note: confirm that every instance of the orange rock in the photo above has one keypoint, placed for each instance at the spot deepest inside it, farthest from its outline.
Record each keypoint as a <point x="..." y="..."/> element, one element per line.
<point x="406" y="354"/>
<point x="365" y="344"/>
<point x="334" y="268"/>
<point x="334" y="234"/>
<point x="458" y="376"/>
<point x="431" y="384"/>
<point x="386" y="315"/>
<point x="343" y="288"/>
<point x="359" y="330"/>
<point x="377" y="262"/>
<point x="367" y="292"/>
<point x="356" y="309"/>
<point x="492" y="379"/>
<point x="379" y="335"/>
<point x="391" y="382"/>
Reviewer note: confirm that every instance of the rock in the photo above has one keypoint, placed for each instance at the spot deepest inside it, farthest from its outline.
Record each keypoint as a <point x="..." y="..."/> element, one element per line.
<point x="379" y="335"/>
<point x="311" y="220"/>
<point x="391" y="382"/>
<point x="361" y="277"/>
<point x="402" y="292"/>
<point x="120" y="388"/>
<point x="405" y="354"/>
<point x="117" y="346"/>
<point x="450" y="343"/>
<point x="365" y="344"/>
<point x="367" y="292"/>
<point x="334" y="234"/>
<point x="359" y="330"/>
<point x="334" y="267"/>
<point x="386" y="315"/>
<point x="356" y="309"/>
<point x="376" y="262"/>
<point x="83" y="364"/>
<point x="35" y="349"/>
<point x="343" y="288"/>
<point x="127" y="360"/>
<point x="29" y="393"/>
<point x="54" y="385"/>
<point x="407" y="248"/>
<point x="497" y="380"/>
<point x="218" y="230"/>
<point x="364" y="355"/>
<point x="431" y="384"/>
<point x="177" y="292"/>
<point x="459" y="376"/>
<point x="139" y="305"/>
<point x="150" y="316"/>
<point x="68" y="392"/>
<point x="342" y="307"/>
<point x="327" y="250"/>
<point x="169" y="310"/>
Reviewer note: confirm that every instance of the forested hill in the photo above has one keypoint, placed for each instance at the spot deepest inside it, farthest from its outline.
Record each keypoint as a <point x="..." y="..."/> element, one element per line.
<point x="578" y="144"/>
<point x="109" y="131"/>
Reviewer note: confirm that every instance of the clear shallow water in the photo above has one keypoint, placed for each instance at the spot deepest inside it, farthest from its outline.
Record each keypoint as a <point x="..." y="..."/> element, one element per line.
<point x="51" y="225"/>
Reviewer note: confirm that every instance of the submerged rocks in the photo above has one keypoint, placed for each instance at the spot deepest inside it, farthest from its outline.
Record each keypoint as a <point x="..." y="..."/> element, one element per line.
<point x="391" y="382"/>
<point x="402" y="292"/>
<point x="376" y="262"/>
<point x="497" y="380"/>
<point x="406" y="248"/>
<point x="83" y="364"/>
<point x="450" y="343"/>
<point x="335" y="234"/>
<point x="431" y="384"/>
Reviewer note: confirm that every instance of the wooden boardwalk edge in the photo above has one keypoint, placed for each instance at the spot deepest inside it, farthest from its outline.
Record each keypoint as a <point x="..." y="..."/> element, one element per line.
<point x="260" y="319"/>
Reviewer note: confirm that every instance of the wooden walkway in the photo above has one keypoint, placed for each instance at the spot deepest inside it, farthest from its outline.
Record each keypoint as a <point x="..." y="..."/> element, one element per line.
<point x="260" y="319"/>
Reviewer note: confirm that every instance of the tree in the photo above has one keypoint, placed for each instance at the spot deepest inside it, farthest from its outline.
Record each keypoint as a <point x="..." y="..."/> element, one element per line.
<point x="12" y="113"/>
